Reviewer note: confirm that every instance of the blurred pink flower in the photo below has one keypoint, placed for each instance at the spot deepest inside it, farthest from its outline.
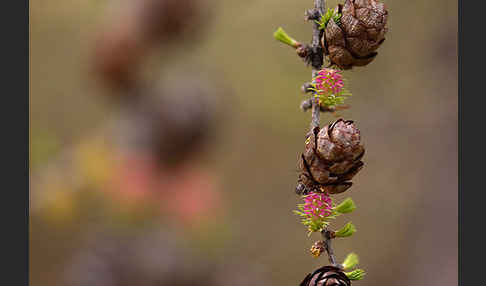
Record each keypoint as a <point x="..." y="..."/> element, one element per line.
<point x="188" y="194"/>
<point x="193" y="197"/>
<point x="133" y="179"/>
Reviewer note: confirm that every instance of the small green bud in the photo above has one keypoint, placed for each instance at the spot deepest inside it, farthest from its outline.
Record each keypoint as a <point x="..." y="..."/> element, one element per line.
<point x="346" y="206"/>
<point x="357" y="274"/>
<point x="346" y="230"/>
<point x="351" y="261"/>
<point x="283" y="37"/>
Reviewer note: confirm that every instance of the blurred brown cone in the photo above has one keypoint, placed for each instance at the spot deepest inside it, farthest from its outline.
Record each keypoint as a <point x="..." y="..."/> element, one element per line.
<point x="136" y="28"/>
<point x="173" y="19"/>
<point x="353" y="41"/>
<point x="118" y="55"/>
<point x="173" y="123"/>
<point x="326" y="276"/>
<point x="150" y="257"/>
<point x="110" y="257"/>
<point x="331" y="158"/>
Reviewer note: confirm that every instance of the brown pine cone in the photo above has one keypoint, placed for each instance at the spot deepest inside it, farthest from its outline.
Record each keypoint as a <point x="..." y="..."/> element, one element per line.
<point x="331" y="158"/>
<point x="353" y="42"/>
<point x="326" y="276"/>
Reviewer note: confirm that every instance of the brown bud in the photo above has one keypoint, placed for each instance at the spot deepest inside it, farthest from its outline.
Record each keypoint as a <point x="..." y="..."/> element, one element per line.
<point x="312" y="14"/>
<point x="317" y="248"/>
<point x="326" y="276"/>
<point x="302" y="51"/>
<point x="360" y="32"/>
<point x="331" y="158"/>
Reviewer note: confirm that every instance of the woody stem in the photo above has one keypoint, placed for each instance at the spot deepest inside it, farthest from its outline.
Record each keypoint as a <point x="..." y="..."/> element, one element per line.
<point x="317" y="61"/>
<point x="326" y="234"/>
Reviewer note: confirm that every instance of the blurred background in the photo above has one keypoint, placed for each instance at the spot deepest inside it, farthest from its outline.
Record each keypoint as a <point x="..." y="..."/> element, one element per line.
<point x="224" y="213"/>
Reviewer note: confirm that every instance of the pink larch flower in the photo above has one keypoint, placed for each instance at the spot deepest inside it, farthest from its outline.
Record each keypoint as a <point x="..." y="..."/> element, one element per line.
<point x="317" y="205"/>
<point x="329" y="81"/>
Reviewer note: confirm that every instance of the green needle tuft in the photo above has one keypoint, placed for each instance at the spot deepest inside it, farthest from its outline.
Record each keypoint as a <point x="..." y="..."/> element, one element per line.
<point x="351" y="261"/>
<point x="346" y="206"/>
<point x="357" y="274"/>
<point x="346" y="230"/>
<point x="283" y="37"/>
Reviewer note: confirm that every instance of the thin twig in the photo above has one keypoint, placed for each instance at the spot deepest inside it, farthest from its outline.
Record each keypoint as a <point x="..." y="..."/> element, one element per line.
<point x="307" y="104"/>
<point x="326" y="234"/>
<point x="317" y="62"/>
<point x="320" y="6"/>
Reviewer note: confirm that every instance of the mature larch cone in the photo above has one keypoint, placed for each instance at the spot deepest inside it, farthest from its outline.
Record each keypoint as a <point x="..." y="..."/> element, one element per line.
<point x="326" y="276"/>
<point x="331" y="158"/>
<point x="353" y="41"/>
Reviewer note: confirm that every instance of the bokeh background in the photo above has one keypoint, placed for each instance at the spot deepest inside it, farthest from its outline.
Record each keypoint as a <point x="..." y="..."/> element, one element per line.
<point x="404" y="102"/>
